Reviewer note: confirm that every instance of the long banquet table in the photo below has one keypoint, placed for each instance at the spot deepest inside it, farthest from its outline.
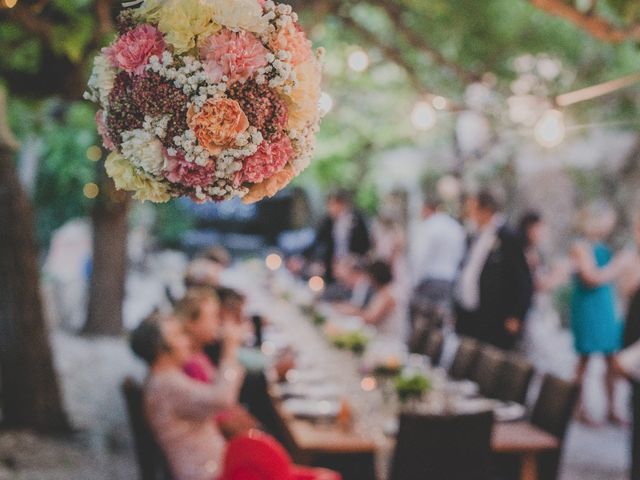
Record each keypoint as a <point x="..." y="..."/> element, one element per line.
<point x="364" y="446"/>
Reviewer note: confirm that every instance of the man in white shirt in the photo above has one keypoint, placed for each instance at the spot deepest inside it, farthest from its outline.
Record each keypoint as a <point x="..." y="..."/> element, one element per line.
<point x="439" y="247"/>
<point x="494" y="288"/>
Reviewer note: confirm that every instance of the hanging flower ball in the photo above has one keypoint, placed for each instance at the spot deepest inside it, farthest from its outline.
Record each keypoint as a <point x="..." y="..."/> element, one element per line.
<point x="208" y="100"/>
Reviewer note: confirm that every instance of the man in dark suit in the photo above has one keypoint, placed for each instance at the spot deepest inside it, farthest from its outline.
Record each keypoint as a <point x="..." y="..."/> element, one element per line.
<point x="627" y="363"/>
<point x="494" y="287"/>
<point x="341" y="233"/>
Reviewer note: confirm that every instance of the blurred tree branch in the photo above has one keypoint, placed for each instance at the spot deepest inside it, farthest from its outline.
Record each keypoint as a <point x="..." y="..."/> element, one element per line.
<point x="593" y="24"/>
<point x="395" y="13"/>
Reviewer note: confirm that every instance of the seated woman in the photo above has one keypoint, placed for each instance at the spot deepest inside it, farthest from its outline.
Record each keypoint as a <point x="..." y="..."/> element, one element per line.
<point x="384" y="310"/>
<point x="200" y="313"/>
<point x="179" y="409"/>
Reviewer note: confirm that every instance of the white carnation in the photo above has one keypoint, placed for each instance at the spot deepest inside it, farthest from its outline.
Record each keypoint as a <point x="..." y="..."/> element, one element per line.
<point x="239" y="15"/>
<point x="102" y="78"/>
<point x="144" y="150"/>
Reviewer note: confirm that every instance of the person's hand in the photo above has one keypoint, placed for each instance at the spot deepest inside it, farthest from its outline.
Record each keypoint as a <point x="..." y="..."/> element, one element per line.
<point x="617" y="368"/>
<point x="235" y="333"/>
<point x="513" y="326"/>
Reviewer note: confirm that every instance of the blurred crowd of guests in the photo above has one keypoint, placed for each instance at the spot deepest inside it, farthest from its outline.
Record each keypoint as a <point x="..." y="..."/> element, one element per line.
<point x="474" y="274"/>
<point x="481" y="276"/>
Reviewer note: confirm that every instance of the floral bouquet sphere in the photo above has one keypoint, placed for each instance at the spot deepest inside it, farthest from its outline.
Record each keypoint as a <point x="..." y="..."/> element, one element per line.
<point x="209" y="99"/>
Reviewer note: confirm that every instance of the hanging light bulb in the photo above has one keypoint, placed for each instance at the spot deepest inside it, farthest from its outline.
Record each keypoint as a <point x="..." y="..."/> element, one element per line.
<point x="423" y="116"/>
<point x="550" y="130"/>
<point x="325" y="103"/>
<point x="358" y="60"/>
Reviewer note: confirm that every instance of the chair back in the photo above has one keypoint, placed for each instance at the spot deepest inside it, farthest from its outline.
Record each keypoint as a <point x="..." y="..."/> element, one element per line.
<point x="434" y="346"/>
<point x="552" y="412"/>
<point x="152" y="464"/>
<point x="487" y="370"/>
<point x="464" y="359"/>
<point x="555" y="404"/>
<point x="514" y="382"/>
<point x="443" y="447"/>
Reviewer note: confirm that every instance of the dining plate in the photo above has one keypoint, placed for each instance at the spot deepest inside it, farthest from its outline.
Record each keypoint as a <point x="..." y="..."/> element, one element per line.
<point x="314" y="409"/>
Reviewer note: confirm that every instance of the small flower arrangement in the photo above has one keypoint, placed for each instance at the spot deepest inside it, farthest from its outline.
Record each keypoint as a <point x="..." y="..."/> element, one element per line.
<point x="209" y="99"/>
<point x="411" y="386"/>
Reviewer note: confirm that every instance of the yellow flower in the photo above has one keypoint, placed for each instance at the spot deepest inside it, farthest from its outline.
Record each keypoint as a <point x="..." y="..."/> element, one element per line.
<point x="126" y="177"/>
<point x="304" y="97"/>
<point x="185" y="22"/>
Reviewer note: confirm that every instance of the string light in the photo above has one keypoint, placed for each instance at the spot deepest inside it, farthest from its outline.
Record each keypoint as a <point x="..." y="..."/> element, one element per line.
<point x="10" y="3"/>
<point x="550" y="130"/>
<point x="90" y="190"/>
<point x="358" y="60"/>
<point x="423" y="116"/>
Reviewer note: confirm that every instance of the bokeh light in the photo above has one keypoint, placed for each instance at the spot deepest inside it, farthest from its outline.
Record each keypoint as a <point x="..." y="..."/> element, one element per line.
<point x="316" y="283"/>
<point x="90" y="190"/>
<point x="358" y="60"/>
<point x="423" y="116"/>
<point x="94" y="153"/>
<point x="273" y="261"/>
<point x="325" y="103"/>
<point x="550" y="129"/>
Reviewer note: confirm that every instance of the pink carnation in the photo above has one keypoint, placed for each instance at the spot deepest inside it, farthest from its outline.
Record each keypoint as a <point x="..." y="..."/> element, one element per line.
<point x="268" y="160"/>
<point x="234" y="54"/>
<point x="132" y="50"/>
<point x="188" y="174"/>
<point x="107" y="142"/>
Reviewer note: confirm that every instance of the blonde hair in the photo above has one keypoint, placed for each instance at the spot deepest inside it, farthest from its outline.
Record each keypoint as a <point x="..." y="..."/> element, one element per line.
<point x="597" y="220"/>
<point x="188" y="307"/>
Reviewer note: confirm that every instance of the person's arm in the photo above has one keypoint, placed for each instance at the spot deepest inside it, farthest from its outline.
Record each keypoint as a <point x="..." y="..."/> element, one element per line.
<point x="592" y="275"/>
<point x="522" y="285"/>
<point x="198" y="401"/>
<point x="380" y="308"/>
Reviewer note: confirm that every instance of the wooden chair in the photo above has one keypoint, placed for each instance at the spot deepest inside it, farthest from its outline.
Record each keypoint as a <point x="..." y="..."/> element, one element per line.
<point x="515" y="379"/>
<point x="434" y="347"/>
<point x="152" y="464"/>
<point x="552" y="413"/>
<point x="488" y="370"/>
<point x="443" y="447"/>
<point x="464" y="359"/>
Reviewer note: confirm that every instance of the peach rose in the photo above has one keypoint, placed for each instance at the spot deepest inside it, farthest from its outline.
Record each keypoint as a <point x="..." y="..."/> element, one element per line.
<point x="270" y="186"/>
<point x="217" y="124"/>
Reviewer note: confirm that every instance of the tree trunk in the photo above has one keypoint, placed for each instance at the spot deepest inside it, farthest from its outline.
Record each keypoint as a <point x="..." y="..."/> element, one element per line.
<point x="30" y="396"/>
<point x="110" y="226"/>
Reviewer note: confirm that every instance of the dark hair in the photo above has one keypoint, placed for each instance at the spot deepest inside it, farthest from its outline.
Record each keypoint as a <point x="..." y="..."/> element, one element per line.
<point x="146" y="340"/>
<point x="229" y="296"/>
<point x="432" y="202"/>
<point x="217" y="254"/>
<point x="340" y="195"/>
<point x="380" y="272"/>
<point x="487" y="201"/>
<point x="528" y="220"/>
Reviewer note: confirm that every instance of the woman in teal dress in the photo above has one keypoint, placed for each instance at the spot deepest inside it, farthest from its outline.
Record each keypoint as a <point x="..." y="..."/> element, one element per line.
<point x="595" y="323"/>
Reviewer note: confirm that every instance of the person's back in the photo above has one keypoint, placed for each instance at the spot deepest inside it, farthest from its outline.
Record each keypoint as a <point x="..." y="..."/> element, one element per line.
<point x="440" y="246"/>
<point x="179" y="411"/>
